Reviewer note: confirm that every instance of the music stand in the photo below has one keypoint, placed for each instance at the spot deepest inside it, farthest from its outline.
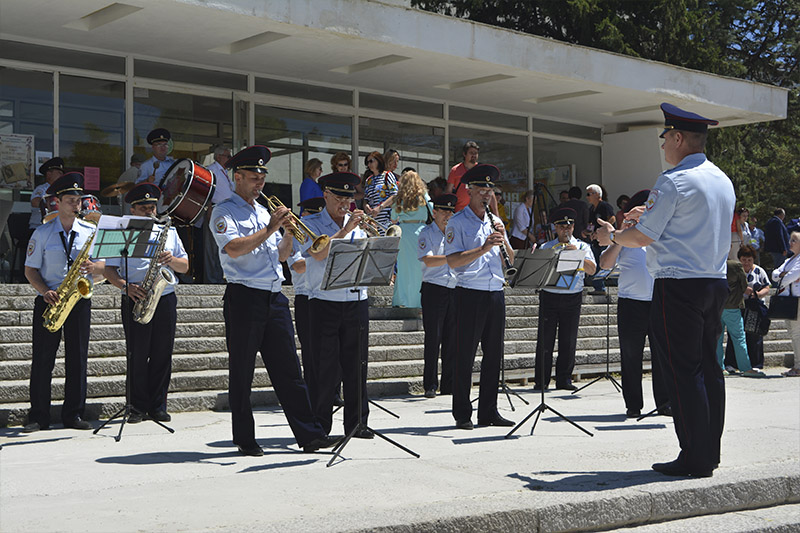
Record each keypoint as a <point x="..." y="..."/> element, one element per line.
<point x="540" y="269"/>
<point x="354" y="263"/>
<point x="126" y="237"/>
<point x="606" y="275"/>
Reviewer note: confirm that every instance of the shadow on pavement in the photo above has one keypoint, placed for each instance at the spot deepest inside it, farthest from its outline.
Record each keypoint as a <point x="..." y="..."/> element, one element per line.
<point x="591" y="481"/>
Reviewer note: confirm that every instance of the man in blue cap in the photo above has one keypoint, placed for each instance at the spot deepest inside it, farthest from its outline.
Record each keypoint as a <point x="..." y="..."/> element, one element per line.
<point x="52" y="169"/>
<point x="472" y="246"/>
<point x="52" y="250"/>
<point x="689" y="268"/>
<point x="438" y="298"/>
<point x="560" y="309"/>
<point x="257" y="317"/>
<point x="340" y="316"/>
<point x="150" y="344"/>
<point x="153" y="169"/>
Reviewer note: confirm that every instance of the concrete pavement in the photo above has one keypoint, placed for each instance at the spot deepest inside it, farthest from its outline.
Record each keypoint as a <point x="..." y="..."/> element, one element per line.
<point x="555" y="480"/>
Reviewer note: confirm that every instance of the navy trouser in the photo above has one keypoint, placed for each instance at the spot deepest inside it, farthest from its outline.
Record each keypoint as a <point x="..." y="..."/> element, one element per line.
<point x="335" y="350"/>
<point x="439" y="322"/>
<point x="685" y="322"/>
<point x="480" y="316"/>
<point x="260" y="321"/>
<point x="633" y="325"/>
<point x="76" y="353"/>
<point x="151" y="348"/>
<point x="562" y="313"/>
<point x="301" y="324"/>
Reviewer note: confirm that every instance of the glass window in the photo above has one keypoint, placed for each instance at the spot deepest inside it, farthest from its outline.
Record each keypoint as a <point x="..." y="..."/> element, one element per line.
<point x="182" y="74"/>
<point x="294" y="137"/>
<point x="561" y="164"/>
<point x="305" y="91"/>
<point x="26" y="107"/>
<point x="420" y="147"/>
<point x="60" y="56"/>
<point x="568" y="130"/>
<point x="488" y="118"/>
<point x="400" y="105"/>
<point x="507" y="152"/>
<point x="92" y="126"/>
<point x="196" y="123"/>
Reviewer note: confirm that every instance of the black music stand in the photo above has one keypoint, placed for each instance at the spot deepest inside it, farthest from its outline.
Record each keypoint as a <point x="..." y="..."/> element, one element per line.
<point x="354" y="263"/>
<point x="126" y="237"/>
<point x="606" y="275"/>
<point x="540" y="269"/>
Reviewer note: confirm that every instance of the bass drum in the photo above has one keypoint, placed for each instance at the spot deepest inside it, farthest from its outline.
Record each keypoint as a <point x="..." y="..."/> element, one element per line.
<point x="186" y="190"/>
<point x="90" y="204"/>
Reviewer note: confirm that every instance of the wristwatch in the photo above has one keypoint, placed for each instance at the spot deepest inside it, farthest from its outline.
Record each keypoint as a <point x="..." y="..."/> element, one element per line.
<point x="612" y="236"/>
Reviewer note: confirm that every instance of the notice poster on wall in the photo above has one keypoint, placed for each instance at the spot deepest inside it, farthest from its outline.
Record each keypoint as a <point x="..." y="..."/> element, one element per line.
<point x="16" y="161"/>
<point x="91" y="178"/>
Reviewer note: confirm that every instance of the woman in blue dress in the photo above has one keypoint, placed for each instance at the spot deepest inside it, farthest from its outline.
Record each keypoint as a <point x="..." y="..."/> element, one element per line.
<point x="410" y="211"/>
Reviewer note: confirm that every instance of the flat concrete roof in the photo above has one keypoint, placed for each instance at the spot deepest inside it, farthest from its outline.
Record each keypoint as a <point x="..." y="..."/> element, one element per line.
<point x="391" y="48"/>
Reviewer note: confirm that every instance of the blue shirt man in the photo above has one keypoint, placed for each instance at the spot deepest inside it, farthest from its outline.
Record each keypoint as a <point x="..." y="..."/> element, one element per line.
<point x="154" y="169"/>
<point x="686" y="226"/>
<point x="472" y="248"/>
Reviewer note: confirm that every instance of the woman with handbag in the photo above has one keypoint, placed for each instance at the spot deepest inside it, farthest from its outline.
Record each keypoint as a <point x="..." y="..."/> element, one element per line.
<point x="754" y="314"/>
<point x="788" y="276"/>
<point x="411" y="211"/>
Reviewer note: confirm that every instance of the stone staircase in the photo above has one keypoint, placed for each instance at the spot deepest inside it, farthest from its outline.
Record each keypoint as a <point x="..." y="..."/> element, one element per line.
<point x="199" y="373"/>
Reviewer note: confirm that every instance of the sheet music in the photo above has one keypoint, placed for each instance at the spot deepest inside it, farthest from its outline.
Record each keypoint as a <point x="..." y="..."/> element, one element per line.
<point x="570" y="260"/>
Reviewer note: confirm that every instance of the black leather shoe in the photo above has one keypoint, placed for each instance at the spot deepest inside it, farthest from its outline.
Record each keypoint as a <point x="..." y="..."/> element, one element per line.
<point x="566" y="386"/>
<point x="159" y="416"/>
<point x="497" y="421"/>
<point x="364" y="433"/>
<point x="675" y="468"/>
<point x="327" y="441"/>
<point x="430" y="393"/>
<point x="633" y="413"/>
<point x="78" y="423"/>
<point x="665" y="411"/>
<point x="135" y="417"/>
<point x="33" y="427"/>
<point x="253" y="450"/>
<point x="538" y="388"/>
<point x="464" y="424"/>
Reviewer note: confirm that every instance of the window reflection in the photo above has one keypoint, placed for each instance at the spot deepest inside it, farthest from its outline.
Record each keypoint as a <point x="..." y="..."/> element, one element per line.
<point x="420" y="147"/>
<point x="507" y="152"/>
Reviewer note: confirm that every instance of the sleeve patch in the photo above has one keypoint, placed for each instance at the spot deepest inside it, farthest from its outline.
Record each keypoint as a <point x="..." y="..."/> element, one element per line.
<point x="221" y="225"/>
<point x="421" y="244"/>
<point x="31" y="247"/>
<point x="450" y="236"/>
<point x="651" y="200"/>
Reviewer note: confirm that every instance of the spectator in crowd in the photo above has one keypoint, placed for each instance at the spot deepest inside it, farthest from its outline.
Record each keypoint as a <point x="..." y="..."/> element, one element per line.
<point x="788" y="277"/>
<point x="380" y="189"/>
<point x="732" y="321"/>
<point x="454" y="185"/>
<point x="602" y="210"/>
<point x="521" y="228"/>
<point x="133" y="171"/>
<point x="392" y="159"/>
<point x="776" y="238"/>
<point x="757" y="287"/>
<point x="756" y="239"/>
<point x="410" y="211"/>
<point x="737" y="233"/>
<point x="563" y="198"/>
<point x="436" y="187"/>
<point x="622" y="202"/>
<point x="340" y="162"/>
<point x="501" y="207"/>
<point x="310" y="188"/>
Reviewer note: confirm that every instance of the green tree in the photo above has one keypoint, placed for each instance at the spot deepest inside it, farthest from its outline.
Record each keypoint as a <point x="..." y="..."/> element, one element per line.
<point x="749" y="39"/>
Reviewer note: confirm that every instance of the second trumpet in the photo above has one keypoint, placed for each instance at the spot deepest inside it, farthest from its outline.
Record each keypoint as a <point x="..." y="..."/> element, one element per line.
<point x="299" y="230"/>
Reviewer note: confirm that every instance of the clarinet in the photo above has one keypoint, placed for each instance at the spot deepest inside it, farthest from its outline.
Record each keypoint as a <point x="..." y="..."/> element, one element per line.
<point x="509" y="268"/>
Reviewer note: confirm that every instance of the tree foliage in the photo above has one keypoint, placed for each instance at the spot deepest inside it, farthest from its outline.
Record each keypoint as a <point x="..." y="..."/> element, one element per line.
<point x="749" y="39"/>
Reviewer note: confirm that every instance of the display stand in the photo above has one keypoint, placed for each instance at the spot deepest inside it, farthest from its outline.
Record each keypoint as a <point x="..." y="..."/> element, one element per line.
<point x="352" y="264"/>
<point x="540" y="269"/>
<point x="606" y="275"/>
<point x="126" y="237"/>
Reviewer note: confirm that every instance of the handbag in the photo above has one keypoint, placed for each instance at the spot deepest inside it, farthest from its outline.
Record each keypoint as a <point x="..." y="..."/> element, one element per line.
<point x="755" y="317"/>
<point x="783" y="307"/>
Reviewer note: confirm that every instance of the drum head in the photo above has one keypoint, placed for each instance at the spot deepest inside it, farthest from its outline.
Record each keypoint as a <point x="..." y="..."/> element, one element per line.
<point x="173" y="185"/>
<point x="90" y="203"/>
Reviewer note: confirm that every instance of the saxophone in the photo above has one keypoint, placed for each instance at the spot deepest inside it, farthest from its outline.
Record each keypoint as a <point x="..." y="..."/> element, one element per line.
<point x="155" y="281"/>
<point x="74" y="287"/>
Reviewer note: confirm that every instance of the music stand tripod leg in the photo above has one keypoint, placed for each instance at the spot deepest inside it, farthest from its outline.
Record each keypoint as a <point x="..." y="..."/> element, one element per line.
<point x="651" y="413"/>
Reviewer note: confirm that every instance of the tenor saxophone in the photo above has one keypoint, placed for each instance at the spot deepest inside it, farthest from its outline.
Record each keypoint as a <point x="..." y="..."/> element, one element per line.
<point x="74" y="287"/>
<point x="155" y="281"/>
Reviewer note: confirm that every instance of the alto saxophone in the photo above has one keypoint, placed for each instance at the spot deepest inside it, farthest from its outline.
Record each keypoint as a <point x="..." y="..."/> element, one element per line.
<point x="155" y="281"/>
<point x="74" y="287"/>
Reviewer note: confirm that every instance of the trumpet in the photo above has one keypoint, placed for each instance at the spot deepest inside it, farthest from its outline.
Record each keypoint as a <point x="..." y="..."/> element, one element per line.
<point x="298" y="229"/>
<point x="373" y="228"/>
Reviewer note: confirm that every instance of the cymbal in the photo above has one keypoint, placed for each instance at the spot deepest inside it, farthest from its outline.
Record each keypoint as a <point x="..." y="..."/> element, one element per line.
<point x="117" y="189"/>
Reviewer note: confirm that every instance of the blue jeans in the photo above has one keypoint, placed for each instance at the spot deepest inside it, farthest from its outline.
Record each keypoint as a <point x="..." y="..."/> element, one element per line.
<point x="732" y="319"/>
